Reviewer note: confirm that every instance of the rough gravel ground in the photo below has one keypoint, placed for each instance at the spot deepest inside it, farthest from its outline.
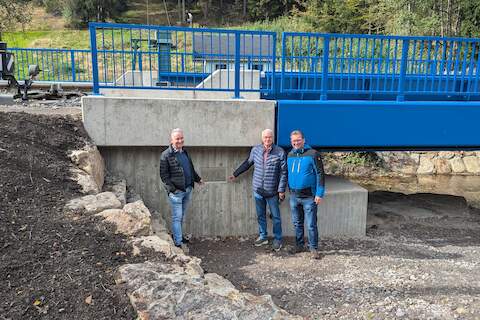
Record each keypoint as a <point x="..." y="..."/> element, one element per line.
<point x="419" y="260"/>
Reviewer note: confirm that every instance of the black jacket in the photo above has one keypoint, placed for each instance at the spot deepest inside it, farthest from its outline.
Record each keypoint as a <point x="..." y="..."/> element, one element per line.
<point x="171" y="171"/>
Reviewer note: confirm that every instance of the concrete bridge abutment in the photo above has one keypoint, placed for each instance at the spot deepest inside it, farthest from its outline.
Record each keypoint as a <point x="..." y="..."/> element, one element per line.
<point x="131" y="133"/>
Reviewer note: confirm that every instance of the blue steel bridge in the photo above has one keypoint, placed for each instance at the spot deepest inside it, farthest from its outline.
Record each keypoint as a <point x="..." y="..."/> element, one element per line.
<point x="344" y="91"/>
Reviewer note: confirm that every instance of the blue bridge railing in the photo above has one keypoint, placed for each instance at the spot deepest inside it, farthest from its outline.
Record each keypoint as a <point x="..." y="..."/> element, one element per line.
<point x="66" y="65"/>
<point x="293" y="66"/>
<point x="342" y="64"/>
<point x="175" y="58"/>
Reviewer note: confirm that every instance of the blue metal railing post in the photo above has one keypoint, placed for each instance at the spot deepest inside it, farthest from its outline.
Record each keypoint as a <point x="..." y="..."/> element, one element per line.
<point x="237" y="65"/>
<point x="93" y="49"/>
<point x="284" y="51"/>
<point x="403" y="71"/>
<point x="274" y="62"/>
<point x="72" y="57"/>
<point x="326" y="49"/>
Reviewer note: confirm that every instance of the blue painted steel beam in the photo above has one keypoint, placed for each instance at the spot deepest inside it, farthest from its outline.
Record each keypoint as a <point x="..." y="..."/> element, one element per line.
<point x="380" y="125"/>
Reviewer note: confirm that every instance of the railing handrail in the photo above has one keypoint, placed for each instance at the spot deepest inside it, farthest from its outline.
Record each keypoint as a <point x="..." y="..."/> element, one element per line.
<point x="106" y="25"/>
<point x="48" y="49"/>
<point x="380" y="36"/>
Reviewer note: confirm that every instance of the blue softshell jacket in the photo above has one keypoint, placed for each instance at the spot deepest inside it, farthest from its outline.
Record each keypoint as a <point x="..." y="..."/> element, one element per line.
<point x="305" y="170"/>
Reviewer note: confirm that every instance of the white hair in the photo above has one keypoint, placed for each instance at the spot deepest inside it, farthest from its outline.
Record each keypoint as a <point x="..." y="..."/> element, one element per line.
<point x="264" y="132"/>
<point x="176" y="130"/>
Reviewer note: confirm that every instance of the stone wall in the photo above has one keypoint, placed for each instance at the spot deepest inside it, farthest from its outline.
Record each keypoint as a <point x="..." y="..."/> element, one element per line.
<point x="430" y="162"/>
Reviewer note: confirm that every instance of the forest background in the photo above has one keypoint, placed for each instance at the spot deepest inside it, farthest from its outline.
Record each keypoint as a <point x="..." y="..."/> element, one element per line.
<point x="63" y="23"/>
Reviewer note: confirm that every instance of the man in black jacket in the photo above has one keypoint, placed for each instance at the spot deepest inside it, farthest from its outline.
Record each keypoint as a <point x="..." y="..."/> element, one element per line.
<point x="178" y="175"/>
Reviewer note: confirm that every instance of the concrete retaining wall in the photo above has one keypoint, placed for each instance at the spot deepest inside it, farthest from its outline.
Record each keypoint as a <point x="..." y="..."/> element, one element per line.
<point x="227" y="209"/>
<point x="124" y="121"/>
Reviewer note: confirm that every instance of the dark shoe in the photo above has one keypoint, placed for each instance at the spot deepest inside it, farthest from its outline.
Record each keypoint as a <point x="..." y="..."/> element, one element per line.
<point x="185" y="240"/>
<point x="260" y="242"/>
<point x="184" y="248"/>
<point x="315" y="254"/>
<point x="297" y="249"/>
<point x="277" y="245"/>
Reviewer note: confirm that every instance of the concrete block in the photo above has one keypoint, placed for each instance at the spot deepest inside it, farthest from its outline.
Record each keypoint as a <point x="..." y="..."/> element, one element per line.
<point x="122" y="121"/>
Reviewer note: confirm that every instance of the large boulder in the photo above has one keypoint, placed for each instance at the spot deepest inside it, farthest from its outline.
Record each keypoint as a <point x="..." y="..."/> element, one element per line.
<point x="91" y="162"/>
<point x="161" y="290"/>
<point x="87" y="183"/>
<point x="133" y="220"/>
<point x="92" y="204"/>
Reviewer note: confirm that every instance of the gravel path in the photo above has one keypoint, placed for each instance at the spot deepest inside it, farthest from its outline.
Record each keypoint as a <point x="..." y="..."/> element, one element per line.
<point x="420" y="260"/>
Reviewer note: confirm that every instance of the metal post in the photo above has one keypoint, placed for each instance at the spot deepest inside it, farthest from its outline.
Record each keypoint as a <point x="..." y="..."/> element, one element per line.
<point x="284" y="54"/>
<point x="403" y="71"/>
<point x="237" y="65"/>
<point x="72" y="57"/>
<point x="326" y="49"/>
<point x="93" y="49"/>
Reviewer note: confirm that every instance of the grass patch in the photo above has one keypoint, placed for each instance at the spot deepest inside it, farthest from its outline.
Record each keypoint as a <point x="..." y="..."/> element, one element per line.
<point x="68" y="39"/>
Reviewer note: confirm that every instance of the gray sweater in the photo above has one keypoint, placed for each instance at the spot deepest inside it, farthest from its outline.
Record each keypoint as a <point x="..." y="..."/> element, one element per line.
<point x="271" y="175"/>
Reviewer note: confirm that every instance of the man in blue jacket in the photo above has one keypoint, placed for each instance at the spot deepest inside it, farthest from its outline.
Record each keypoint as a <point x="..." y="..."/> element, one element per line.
<point x="269" y="183"/>
<point x="306" y="182"/>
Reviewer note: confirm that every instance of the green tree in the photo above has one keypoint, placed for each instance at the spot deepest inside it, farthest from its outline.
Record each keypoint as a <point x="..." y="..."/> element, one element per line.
<point x="79" y="13"/>
<point x="12" y="13"/>
<point x="268" y="9"/>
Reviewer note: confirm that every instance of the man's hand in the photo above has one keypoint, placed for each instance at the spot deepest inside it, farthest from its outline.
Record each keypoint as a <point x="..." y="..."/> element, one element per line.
<point x="281" y="196"/>
<point x="232" y="178"/>
<point x="201" y="183"/>
<point x="318" y="200"/>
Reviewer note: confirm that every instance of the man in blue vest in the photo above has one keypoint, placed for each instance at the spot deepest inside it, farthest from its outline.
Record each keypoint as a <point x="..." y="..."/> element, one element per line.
<point x="306" y="182"/>
<point x="269" y="183"/>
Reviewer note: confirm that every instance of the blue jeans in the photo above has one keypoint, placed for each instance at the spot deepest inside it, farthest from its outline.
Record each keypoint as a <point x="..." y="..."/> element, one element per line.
<point x="179" y="202"/>
<point x="261" y="206"/>
<point x="304" y="208"/>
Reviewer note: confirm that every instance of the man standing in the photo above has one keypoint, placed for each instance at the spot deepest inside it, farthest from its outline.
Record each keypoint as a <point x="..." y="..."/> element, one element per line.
<point x="178" y="175"/>
<point x="269" y="182"/>
<point x="306" y="182"/>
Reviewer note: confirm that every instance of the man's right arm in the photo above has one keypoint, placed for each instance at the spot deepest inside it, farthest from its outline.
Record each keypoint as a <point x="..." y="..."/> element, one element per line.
<point x="244" y="166"/>
<point x="165" y="174"/>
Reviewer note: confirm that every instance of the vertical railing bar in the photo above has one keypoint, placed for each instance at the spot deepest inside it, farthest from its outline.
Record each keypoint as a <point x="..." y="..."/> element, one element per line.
<point x="477" y="73"/>
<point x="403" y="70"/>
<point x="284" y="55"/>
<point x="428" y="69"/>
<point x="114" y="69"/>
<point x="105" y="62"/>
<point x="72" y="64"/>
<point x="237" y="65"/>
<point x="93" y="50"/>
<point x="380" y="62"/>
<point x="326" y="49"/>
<point x="412" y="65"/>
<point x="436" y="71"/>
<point x="470" y="68"/>
<point x="342" y="66"/>
<point x="274" y="62"/>
<point x="464" y="64"/>
<point x="455" y="67"/>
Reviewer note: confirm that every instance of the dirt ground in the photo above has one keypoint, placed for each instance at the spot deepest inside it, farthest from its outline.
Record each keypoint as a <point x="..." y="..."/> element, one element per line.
<point x="51" y="266"/>
<point x="419" y="260"/>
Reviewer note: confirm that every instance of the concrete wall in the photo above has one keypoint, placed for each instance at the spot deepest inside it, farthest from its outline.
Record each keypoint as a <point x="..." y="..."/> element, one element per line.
<point x="149" y="121"/>
<point x="227" y="209"/>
